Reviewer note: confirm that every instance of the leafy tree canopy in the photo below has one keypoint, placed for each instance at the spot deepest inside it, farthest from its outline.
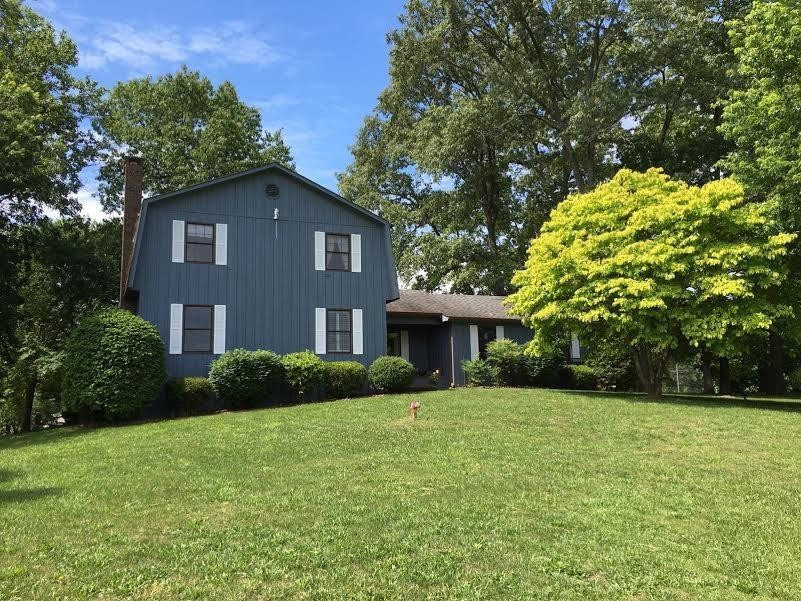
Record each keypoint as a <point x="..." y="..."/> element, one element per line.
<point x="187" y="130"/>
<point x="495" y="112"/>
<point x="654" y="263"/>
<point x="43" y="137"/>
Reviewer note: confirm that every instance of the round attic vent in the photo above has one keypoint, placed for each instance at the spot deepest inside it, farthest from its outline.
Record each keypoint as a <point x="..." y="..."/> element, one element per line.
<point x="272" y="191"/>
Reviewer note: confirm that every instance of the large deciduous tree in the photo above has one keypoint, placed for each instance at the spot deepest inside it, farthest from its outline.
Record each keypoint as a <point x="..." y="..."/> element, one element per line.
<point x="44" y="141"/>
<point x="496" y="111"/>
<point x="761" y="120"/>
<point x="654" y="263"/>
<point x="187" y="130"/>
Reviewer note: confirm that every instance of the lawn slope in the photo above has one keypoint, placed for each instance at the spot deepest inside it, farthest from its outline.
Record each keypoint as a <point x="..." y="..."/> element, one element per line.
<point x="500" y="494"/>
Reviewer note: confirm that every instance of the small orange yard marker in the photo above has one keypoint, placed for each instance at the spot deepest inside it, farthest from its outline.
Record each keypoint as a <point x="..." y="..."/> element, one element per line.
<point x="414" y="406"/>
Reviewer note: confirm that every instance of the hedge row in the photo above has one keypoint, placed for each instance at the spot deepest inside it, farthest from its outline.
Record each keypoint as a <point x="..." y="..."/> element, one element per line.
<point x="508" y="365"/>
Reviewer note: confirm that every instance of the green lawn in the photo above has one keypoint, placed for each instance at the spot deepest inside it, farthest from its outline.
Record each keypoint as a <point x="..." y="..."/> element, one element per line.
<point x="504" y="494"/>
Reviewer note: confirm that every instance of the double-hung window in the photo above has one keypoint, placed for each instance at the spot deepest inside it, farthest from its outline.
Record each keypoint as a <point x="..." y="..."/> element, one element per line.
<point x="198" y="325"/>
<point x="199" y="242"/>
<point x="337" y="252"/>
<point x="339" y="330"/>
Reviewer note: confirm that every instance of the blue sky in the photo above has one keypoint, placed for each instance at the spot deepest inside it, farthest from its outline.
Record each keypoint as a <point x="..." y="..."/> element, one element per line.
<point x="313" y="68"/>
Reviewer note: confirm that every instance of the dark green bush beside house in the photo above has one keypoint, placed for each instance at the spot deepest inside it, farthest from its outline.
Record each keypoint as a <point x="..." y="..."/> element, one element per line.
<point x="509" y="362"/>
<point x="243" y="378"/>
<point x="188" y="396"/>
<point x="304" y="372"/>
<point x="582" y="377"/>
<point x="344" y="379"/>
<point x="479" y="372"/>
<point x="113" y="365"/>
<point x="391" y="374"/>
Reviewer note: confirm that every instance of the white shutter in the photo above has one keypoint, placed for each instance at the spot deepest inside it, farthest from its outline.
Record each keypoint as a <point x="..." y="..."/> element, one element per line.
<point x="176" y="329"/>
<point x="499" y="333"/>
<point x="178" y="241"/>
<point x="319" y="331"/>
<point x="405" y="344"/>
<point x="358" y="337"/>
<point x="221" y="244"/>
<point x="219" y="329"/>
<point x="356" y="253"/>
<point x="474" y="342"/>
<point x="319" y="251"/>
<point x="575" y="348"/>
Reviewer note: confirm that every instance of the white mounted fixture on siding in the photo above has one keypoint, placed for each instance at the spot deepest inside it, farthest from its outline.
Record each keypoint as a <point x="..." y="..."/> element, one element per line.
<point x="358" y="333"/>
<point x="356" y="253"/>
<point x="178" y="231"/>
<point x="473" y="341"/>
<point x="176" y="329"/>
<point x="499" y="333"/>
<point x="319" y="330"/>
<point x="405" y="344"/>
<point x="575" y="348"/>
<point x="219" y="329"/>
<point x="319" y="251"/>
<point x="221" y="244"/>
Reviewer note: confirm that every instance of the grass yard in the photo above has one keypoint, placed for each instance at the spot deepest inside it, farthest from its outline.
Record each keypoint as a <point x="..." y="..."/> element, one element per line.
<point x="502" y="494"/>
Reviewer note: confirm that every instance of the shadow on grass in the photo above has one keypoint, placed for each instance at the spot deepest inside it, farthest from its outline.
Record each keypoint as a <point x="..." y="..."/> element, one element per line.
<point x="51" y="436"/>
<point x="712" y="402"/>
<point x="21" y="495"/>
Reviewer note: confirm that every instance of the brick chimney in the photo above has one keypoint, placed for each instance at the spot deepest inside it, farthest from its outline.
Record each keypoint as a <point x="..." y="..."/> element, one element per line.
<point x="131" y="206"/>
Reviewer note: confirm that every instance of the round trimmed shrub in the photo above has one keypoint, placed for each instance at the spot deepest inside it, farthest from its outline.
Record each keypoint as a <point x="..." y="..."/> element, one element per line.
<point x="113" y="365"/>
<point x="344" y="378"/>
<point x="243" y="378"/>
<point x="303" y="371"/>
<point x="187" y="396"/>
<point x="583" y="377"/>
<point x="479" y="372"/>
<point x="390" y="374"/>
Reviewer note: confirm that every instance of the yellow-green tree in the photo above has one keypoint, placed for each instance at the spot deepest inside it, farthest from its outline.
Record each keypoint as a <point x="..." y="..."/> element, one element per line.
<point x="654" y="263"/>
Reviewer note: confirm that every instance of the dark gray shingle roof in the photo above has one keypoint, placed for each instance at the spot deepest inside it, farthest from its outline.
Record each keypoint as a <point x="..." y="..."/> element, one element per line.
<point x="455" y="306"/>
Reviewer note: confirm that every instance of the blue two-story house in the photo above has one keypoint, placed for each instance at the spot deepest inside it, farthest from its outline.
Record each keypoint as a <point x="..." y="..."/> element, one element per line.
<point x="260" y="259"/>
<point x="269" y="259"/>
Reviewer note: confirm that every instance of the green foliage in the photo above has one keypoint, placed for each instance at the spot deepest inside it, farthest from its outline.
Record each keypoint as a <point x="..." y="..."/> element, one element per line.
<point x="187" y="396"/>
<point x="512" y="105"/>
<point x="42" y="107"/>
<point x="613" y="364"/>
<point x="653" y="262"/>
<point x="479" y="372"/>
<point x="344" y="378"/>
<point x="243" y="378"/>
<point x="795" y="379"/>
<point x="546" y="371"/>
<point x="303" y="371"/>
<point x="390" y="374"/>
<point x="113" y="365"/>
<point x="509" y="361"/>
<point x="187" y="130"/>
<point x="582" y="377"/>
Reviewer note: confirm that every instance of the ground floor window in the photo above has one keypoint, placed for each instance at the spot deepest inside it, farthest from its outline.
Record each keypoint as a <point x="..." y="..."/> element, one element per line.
<point x="198" y="325"/>
<point x="339" y="330"/>
<point x="394" y="344"/>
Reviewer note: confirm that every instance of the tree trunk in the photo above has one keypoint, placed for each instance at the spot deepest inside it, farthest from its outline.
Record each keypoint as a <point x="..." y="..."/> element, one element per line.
<point x="725" y="376"/>
<point x="776" y="368"/>
<point x="27" y="408"/>
<point x="650" y="366"/>
<point x="706" y="371"/>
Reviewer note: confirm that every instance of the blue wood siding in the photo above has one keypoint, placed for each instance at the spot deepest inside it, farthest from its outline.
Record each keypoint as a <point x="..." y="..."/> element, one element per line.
<point x="269" y="286"/>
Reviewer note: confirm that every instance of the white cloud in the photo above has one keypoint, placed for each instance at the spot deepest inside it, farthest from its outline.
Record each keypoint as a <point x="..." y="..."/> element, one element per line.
<point x="276" y="101"/>
<point x="111" y="42"/>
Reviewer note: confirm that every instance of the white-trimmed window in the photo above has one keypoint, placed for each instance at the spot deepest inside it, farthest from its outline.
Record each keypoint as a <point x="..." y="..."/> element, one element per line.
<point x="337" y="252"/>
<point x="198" y="242"/>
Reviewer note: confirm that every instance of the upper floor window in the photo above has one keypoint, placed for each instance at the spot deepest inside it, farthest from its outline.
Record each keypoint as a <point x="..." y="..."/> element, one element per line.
<point x="199" y="242"/>
<point x="337" y="252"/>
<point x="198" y="326"/>
<point x="339" y="330"/>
